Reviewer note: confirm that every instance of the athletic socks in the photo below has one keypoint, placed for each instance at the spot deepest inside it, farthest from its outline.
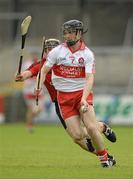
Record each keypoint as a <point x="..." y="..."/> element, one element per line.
<point x="103" y="157"/>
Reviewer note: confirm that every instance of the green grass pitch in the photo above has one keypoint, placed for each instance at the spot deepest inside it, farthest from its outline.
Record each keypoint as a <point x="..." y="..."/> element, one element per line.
<point x="49" y="153"/>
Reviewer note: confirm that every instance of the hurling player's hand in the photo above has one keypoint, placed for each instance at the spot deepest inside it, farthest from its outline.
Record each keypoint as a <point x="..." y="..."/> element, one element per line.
<point x="19" y="77"/>
<point x="37" y="91"/>
<point x="84" y="106"/>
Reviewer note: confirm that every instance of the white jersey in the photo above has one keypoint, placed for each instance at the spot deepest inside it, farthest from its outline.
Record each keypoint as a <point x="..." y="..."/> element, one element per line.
<point x="69" y="68"/>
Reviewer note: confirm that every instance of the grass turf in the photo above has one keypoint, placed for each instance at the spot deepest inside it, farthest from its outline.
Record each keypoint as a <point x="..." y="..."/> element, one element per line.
<point x="49" y="153"/>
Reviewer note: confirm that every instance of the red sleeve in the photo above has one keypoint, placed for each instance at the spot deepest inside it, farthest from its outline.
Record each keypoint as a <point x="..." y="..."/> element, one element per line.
<point x="35" y="67"/>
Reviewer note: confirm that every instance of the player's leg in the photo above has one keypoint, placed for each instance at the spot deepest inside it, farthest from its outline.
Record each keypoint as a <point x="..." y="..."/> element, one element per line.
<point x="75" y="131"/>
<point x="91" y="125"/>
<point x="104" y="128"/>
<point x="29" y="113"/>
<point x="107" y="131"/>
<point x="80" y="137"/>
<point x="29" y="117"/>
<point x="84" y="143"/>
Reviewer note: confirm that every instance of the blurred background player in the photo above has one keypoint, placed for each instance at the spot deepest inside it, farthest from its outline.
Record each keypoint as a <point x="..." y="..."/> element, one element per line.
<point x="33" y="71"/>
<point x="28" y="93"/>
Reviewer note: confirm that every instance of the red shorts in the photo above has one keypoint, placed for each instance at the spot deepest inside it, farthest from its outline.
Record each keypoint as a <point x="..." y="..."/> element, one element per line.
<point x="69" y="102"/>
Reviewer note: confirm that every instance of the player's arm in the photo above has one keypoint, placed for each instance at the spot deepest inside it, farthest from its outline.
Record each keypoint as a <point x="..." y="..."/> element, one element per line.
<point x="23" y="76"/>
<point x="51" y="60"/>
<point x="48" y="64"/>
<point x="31" y="71"/>
<point x="89" y="77"/>
<point x="44" y="70"/>
<point x="87" y="88"/>
<point x="35" y="68"/>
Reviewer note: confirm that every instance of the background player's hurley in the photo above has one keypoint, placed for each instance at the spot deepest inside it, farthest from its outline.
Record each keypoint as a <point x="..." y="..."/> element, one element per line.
<point x="41" y="63"/>
<point x="24" y="29"/>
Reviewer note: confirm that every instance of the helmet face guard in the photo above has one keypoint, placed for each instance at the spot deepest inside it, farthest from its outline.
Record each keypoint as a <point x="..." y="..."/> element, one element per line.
<point x="73" y="26"/>
<point x="51" y="43"/>
<point x="70" y="27"/>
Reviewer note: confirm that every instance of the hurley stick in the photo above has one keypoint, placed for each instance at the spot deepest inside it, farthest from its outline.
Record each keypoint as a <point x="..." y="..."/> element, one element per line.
<point x="24" y="29"/>
<point x="41" y="63"/>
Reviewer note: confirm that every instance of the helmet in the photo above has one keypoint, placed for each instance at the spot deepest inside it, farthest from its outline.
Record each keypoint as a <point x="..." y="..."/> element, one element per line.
<point x="51" y="43"/>
<point x="73" y="25"/>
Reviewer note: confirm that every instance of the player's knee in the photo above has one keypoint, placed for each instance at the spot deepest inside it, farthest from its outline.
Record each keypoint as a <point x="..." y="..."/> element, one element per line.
<point x="92" y="128"/>
<point x="78" y="137"/>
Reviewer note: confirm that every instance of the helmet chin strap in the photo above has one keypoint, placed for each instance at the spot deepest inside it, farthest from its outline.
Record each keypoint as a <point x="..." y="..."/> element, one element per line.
<point x="72" y="42"/>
